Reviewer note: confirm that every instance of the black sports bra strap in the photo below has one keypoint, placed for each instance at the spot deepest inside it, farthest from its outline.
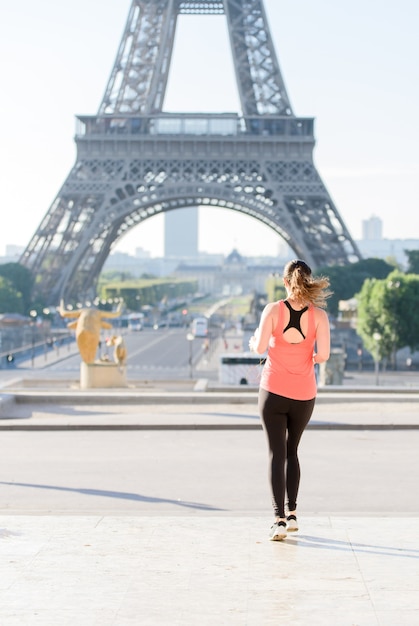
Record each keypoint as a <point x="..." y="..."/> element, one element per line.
<point x="295" y="318"/>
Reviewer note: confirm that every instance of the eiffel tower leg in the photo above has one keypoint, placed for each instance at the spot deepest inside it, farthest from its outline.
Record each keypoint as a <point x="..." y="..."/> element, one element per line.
<point x="259" y="80"/>
<point x="138" y="79"/>
<point x="62" y="241"/>
<point x="314" y="228"/>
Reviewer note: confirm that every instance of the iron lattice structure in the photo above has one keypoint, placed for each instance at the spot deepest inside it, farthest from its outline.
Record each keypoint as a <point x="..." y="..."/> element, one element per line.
<point x="135" y="161"/>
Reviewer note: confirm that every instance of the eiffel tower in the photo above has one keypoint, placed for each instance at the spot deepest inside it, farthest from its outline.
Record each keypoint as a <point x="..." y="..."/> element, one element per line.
<point x="135" y="161"/>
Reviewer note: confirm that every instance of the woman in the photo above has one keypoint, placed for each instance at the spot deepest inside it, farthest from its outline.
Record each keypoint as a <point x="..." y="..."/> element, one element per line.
<point x="296" y="333"/>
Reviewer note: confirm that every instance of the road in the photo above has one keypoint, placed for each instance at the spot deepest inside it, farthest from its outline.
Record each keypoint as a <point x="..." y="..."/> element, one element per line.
<point x="165" y="349"/>
<point x="165" y="352"/>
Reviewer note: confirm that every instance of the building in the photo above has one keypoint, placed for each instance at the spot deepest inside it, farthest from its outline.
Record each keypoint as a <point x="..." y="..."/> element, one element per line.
<point x="233" y="276"/>
<point x="372" y="228"/>
<point x="136" y="266"/>
<point x="13" y="254"/>
<point x="373" y="245"/>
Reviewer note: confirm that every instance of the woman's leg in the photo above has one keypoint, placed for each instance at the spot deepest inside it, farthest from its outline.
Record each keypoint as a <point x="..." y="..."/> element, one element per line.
<point x="272" y="410"/>
<point x="298" y="417"/>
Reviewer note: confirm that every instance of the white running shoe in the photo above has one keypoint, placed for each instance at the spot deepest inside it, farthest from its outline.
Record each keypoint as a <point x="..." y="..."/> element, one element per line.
<point x="278" y="531"/>
<point x="292" y="525"/>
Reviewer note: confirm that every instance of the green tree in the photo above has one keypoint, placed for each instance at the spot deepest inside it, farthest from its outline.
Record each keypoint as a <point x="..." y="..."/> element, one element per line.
<point x="347" y="280"/>
<point x="412" y="261"/>
<point x="403" y="301"/>
<point x="387" y="314"/>
<point x="145" y="291"/>
<point x="20" y="279"/>
<point x="11" y="300"/>
<point x="275" y="289"/>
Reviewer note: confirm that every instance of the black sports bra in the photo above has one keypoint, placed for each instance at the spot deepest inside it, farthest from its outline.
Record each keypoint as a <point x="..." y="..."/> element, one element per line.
<point x="295" y="318"/>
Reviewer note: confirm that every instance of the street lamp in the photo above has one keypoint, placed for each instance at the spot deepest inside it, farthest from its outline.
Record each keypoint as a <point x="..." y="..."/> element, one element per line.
<point x="393" y="285"/>
<point x="33" y="315"/>
<point x="377" y="339"/>
<point x="190" y="337"/>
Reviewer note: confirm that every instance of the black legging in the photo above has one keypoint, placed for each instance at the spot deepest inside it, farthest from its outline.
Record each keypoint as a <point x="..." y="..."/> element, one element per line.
<point x="284" y="422"/>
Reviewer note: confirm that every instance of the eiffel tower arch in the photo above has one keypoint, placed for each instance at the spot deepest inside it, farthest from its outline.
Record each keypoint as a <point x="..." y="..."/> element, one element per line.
<point x="135" y="161"/>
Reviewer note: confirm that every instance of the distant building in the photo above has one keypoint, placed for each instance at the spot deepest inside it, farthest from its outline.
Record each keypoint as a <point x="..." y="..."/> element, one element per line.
<point x="137" y="266"/>
<point x="388" y="249"/>
<point x="140" y="253"/>
<point x="181" y="233"/>
<point x="235" y="275"/>
<point x="372" y="245"/>
<point x="13" y="254"/>
<point x="372" y="228"/>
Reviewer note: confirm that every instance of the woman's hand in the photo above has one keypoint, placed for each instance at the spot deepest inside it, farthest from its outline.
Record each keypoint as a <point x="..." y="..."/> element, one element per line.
<point x="253" y="340"/>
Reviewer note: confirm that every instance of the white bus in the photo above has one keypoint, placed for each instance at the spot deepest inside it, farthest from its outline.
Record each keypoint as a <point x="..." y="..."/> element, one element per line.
<point x="242" y="368"/>
<point x="199" y="327"/>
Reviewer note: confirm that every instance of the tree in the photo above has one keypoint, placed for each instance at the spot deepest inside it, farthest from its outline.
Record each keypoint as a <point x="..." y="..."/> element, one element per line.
<point x="387" y="314"/>
<point x="412" y="261"/>
<point x="20" y="279"/>
<point x="347" y="280"/>
<point x="275" y="289"/>
<point x="369" y="326"/>
<point x="140" y="292"/>
<point x="403" y="298"/>
<point x="11" y="300"/>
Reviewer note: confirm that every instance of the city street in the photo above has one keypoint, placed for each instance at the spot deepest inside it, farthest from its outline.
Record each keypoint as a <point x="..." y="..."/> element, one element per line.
<point x="165" y="352"/>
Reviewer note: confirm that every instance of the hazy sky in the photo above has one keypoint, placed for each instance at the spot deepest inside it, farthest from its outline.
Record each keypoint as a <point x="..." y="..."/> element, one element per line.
<point x="353" y="65"/>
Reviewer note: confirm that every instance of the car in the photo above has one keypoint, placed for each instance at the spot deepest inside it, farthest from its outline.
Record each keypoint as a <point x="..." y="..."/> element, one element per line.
<point x="135" y="326"/>
<point x="199" y="327"/>
<point x="159" y="325"/>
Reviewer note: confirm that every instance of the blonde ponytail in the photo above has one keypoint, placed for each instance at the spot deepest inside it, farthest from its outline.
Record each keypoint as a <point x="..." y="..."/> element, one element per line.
<point x="304" y="286"/>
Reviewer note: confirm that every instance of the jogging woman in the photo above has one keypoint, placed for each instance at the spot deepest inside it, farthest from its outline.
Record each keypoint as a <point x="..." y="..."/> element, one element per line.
<point x="296" y="333"/>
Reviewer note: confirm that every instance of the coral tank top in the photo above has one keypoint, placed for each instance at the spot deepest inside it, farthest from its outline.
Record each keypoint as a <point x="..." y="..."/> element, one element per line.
<point x="289" y="368"/>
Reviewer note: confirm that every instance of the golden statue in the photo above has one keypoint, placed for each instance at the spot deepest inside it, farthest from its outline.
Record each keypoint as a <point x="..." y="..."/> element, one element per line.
<point x="88" y="325"/>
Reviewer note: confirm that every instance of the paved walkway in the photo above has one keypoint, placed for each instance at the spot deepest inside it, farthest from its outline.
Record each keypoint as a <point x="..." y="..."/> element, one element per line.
<point x="205" y="570"/>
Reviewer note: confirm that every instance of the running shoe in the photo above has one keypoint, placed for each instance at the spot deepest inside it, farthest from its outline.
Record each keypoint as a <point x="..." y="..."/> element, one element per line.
<point x="292" y="525"/>
<point x="278" y="531"/>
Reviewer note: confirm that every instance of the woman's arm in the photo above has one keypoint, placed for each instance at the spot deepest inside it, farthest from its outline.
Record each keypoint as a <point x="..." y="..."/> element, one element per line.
<point x="322" y="337"/>
<point x="260" y="340"/>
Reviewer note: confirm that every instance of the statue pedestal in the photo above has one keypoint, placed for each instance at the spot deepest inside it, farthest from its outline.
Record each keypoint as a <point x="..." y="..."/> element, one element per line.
<point x="104" y="375"/>
<point x="332" y="371"/>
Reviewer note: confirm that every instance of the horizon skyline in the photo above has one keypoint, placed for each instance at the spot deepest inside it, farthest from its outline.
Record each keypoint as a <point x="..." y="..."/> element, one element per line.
<point x="282" y="243"/>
